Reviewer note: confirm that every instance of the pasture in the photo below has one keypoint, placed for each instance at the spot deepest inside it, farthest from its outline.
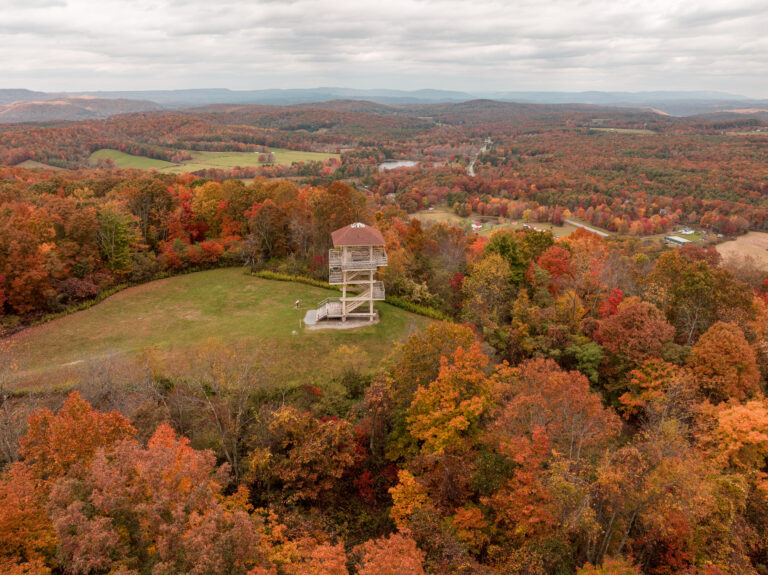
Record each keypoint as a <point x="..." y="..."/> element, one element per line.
<point x="35" y="165"/>
<point x="123" y="160"/>
<point x="207" y="160"/>
<point x="174" y="316"/>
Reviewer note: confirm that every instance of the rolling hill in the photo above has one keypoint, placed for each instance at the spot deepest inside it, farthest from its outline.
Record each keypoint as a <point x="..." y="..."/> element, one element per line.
<point x="71" y="108"/>
<point x="175" y="315"/>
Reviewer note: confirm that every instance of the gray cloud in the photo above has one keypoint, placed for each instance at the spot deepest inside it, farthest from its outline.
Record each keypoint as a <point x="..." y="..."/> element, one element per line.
<point x="478" y="45"/>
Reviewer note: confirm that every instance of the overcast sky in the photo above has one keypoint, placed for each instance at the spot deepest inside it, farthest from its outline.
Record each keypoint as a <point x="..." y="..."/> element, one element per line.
<point x="477" y="45"/>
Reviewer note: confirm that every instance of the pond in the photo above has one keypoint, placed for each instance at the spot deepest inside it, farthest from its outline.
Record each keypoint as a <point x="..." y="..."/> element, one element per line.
<point x="392" y="164"/>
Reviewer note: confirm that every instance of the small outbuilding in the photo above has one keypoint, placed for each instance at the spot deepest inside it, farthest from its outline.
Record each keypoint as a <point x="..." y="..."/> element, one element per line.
<point x="676" y="241"/>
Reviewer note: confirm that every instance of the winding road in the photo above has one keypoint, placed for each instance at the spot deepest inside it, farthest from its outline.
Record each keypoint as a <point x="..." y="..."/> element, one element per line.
<point x="471" y="167"/>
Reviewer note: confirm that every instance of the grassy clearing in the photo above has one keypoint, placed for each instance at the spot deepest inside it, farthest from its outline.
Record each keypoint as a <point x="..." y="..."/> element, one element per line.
<point x="700" y="237"/>
<point x="558" y="231"/>
<point x="439" y="215"/>
<point x="33" y="164"/>
<point x="123" y="160"/>
<point x="697" y="236"/>
<point x="489" y="224"/>
<point x="176" y="315"/>
<point x="207" y="160"/>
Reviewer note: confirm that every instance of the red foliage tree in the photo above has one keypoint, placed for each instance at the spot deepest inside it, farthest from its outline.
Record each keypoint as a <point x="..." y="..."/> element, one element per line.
<point x="637" y="331"/>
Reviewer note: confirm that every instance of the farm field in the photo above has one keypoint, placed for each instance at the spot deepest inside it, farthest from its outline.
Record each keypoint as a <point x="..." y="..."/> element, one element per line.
<point x="175" y="315"/>
<point x="440" y="215"/>
<point x="752" y="244"/>
<point x="206" y="160"/>
<point x="34" y="165"/>
<point x="123" y="160"/>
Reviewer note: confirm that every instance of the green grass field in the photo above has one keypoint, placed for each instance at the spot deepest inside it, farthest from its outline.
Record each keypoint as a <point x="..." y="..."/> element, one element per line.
<point x="440" y="215"/>
<point x="206" y="160"/>
<point x="123" y="160"/>
<point x="177" y="314"/>
<point x="35" y="165"/>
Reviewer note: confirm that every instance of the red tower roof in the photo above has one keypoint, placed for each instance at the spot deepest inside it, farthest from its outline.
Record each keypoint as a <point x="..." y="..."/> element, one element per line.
<point x="357" y="234"/>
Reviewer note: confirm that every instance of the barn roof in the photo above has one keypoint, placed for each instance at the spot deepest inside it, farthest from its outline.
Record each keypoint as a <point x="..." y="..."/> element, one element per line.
<point x="357" y="234"/>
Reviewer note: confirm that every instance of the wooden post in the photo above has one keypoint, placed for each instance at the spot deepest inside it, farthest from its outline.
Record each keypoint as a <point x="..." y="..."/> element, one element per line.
<point x="370" y="284"/>
<point x="344" y="298"/>
<point x="370" y="300"/>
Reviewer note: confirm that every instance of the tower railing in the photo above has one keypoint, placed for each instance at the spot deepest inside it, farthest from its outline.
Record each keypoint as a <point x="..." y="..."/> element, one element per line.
<point x="354" y="267"/>
<point x="356" y="258"/>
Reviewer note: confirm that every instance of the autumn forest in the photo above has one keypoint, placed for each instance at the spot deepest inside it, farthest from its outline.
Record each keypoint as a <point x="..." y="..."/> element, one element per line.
<point x="568" y="394"/>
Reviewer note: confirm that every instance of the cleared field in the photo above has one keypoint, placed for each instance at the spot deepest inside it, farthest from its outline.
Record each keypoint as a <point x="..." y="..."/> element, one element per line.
<point x="177" y="314"/>
<point x="489" y="224"/>
<point x="439" y="215"/>
<point x="123" y="160"/>
<point x="207" y="160"/>
<point x="557" y="231"/>
<point x="32" y="164"/>
<point x="751" y="245"/>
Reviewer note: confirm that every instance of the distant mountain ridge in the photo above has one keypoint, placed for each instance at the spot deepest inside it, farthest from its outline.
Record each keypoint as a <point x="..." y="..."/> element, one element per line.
<point x="70" y="109"/>
<point x="283" y="97"/>
<point x="100" y="104"/>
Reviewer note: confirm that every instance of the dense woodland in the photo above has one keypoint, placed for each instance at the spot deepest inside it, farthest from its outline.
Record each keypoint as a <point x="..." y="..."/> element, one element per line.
<point x="589" y="405"/>
<point x="630" y="171"/>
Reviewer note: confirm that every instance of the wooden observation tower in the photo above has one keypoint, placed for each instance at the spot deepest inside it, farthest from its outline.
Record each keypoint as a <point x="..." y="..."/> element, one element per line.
<point x="357" y="254"/>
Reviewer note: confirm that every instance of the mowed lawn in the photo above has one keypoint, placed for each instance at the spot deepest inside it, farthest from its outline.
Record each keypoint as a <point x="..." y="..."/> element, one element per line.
<point x="123" y="160"/>
<point x="207" y="160"/>
<point x="34" y="165"/>
<point x="177" y="315"/>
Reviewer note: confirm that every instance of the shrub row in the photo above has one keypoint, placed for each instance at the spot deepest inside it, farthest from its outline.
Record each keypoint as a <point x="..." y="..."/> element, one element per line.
<point x="418" y="309"/>
<point x="395" y="301"/>
<point x="268" y="275"/>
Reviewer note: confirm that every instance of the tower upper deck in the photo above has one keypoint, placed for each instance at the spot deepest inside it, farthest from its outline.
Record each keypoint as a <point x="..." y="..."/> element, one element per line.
<point x="357" y="234"/>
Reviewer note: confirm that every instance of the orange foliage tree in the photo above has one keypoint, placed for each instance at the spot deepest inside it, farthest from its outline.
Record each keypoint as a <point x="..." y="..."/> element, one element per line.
<point x="724" y="364"/>
<point x="55" y="443"/>
<point x="396" y="554"/>
<point x="27" y="539"/>
<point x="154" y="508"/>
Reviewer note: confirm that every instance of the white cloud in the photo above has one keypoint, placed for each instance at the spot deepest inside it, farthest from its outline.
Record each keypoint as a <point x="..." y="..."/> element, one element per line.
<point x="478" y="45"/>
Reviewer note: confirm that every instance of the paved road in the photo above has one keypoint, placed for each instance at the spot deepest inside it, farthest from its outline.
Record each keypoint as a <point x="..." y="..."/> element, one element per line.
<point x="471" y="167"/>
<point x="593" y="230"/>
